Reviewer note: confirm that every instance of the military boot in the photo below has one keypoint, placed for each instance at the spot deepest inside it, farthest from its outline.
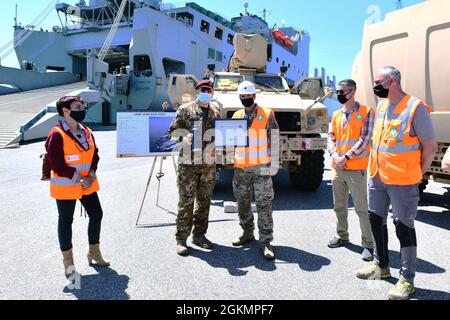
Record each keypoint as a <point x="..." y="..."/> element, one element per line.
<point x="182" y="249"/>
<point x="202" y="242"/>
<point x="267" y="251"/>
<point x="245" y="238"/>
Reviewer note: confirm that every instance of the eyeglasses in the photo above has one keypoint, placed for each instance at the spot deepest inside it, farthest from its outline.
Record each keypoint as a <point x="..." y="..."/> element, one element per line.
<point x="342" y="92"/>
<point x="205" y="90"/>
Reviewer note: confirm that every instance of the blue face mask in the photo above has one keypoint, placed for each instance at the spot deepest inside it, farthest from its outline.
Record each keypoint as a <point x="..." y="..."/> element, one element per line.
<point x="204" y="97"/>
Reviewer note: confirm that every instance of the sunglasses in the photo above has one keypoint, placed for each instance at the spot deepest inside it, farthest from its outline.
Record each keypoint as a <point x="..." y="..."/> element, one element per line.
<point x="205" y="90"/>
<point x="342" y="92"/>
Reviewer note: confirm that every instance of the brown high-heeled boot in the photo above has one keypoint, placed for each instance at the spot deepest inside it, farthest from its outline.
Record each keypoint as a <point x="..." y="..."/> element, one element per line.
<point x="69" y="266"/>
<point x="95" y="254"/>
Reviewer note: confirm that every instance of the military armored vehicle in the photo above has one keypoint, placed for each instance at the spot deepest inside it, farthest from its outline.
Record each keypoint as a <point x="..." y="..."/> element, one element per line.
<point x="302" y="118"/>
<point x="416" y="40"/>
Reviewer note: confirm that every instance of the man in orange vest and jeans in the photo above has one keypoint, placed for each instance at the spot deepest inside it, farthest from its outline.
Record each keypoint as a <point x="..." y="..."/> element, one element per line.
<point x="403" y="147"/>
<point x="254" y="170"/>
<point x="349" y="148"/>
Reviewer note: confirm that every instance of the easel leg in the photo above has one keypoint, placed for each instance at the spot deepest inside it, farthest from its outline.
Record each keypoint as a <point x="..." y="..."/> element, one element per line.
<point x="160" y="175"/>
<point x="146" y="189"/>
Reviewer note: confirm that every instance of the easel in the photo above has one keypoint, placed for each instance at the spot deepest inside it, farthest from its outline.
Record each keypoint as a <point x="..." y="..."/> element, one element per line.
<point x="159" y="176"/>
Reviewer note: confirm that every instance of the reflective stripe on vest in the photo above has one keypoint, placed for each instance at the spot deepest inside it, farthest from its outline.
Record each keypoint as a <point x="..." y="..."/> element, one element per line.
<point x="395" y="155"/>
<point x="258" y="152"/>
<point x="347" y="137"/>
<point x="62" y="188"/>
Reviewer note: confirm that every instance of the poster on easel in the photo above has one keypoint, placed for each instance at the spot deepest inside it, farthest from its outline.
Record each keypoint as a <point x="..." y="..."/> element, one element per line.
<point x="145" y="134"/>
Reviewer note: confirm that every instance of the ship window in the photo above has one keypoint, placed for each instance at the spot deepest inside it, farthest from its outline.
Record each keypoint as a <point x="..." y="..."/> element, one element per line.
<point x="173" y="66"/>
<point x="219" y="33"/>
<point x="230" y="39"/>
<point x="219" y="56"/>
<point x="185" y="17"/>
<point x="278" y="60"/>
<point x="211" y="53"/>
<point x="142" y="63"/>
<point x="284" y="63"/>
<point x="204" y="26"/>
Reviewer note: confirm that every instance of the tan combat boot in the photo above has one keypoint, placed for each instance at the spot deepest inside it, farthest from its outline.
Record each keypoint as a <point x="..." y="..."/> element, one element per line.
<point x="69" y="265"/>
<point x="267" y="251"/>
<point x="182" y="249"/>
<point x="95" y="254"/>
<point x="245" y="238"/>
<point x="202" y="242"/>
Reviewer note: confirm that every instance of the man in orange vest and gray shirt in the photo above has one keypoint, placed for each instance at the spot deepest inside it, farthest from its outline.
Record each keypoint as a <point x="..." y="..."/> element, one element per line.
<point x="254" y="170"/>
<point x="403" y="147"/>
<point x="349" y="148"/>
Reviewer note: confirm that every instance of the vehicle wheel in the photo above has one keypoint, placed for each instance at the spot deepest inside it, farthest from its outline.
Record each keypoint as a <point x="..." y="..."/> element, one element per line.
<point x="423" y="186"/>
<point x="309" y="175"/>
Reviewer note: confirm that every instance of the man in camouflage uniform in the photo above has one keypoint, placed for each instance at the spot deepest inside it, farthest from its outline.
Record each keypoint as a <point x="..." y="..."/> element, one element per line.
<point x="196" y="176"/>
<point x="256" y="176"/>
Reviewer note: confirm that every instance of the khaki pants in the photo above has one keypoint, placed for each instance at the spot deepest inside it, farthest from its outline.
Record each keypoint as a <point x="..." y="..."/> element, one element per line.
<point x="354" y="182"/>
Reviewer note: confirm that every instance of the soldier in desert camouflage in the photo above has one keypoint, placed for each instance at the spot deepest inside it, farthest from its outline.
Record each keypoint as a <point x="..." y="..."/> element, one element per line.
<point x="254" y="169"/>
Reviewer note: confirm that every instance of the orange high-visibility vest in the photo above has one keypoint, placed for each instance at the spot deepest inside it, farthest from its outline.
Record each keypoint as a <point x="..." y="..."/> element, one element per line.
<point x="257" y="153"/>
<point x="395" y="155"/>
<point x="348" y="137"/>
<point x="62" y="188"/>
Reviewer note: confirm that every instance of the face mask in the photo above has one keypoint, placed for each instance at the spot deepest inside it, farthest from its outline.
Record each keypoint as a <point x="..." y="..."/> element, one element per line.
<point x="247" y="102"/>
<point x="381" y="91"/>
<point x="343" y="98"/>
<point x="78" y="116"/>
<point x="204" y="98"/>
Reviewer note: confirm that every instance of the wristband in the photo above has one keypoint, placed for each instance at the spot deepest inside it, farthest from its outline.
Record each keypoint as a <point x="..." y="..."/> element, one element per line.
<point x="347" y="157"/>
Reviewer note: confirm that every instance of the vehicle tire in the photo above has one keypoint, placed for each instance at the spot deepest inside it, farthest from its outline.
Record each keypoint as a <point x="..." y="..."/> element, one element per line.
<point x="423" y="186"/>
<point x="309" y="175"/>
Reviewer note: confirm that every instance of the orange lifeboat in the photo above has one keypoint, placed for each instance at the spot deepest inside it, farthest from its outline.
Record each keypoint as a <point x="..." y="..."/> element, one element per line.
<point x="288" y="42"/>
<point x="278" y="35"/>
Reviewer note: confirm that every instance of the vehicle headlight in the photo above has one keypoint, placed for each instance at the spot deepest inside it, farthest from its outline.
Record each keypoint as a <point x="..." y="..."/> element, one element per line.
<point x="311" y="121"/>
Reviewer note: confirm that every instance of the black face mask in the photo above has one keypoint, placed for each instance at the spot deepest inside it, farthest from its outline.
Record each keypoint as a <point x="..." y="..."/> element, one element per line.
<point x="343" y="98"/>
<point x="380" y="91"/>
<point x="78" y="116"/>
<point x="247" y="102"/>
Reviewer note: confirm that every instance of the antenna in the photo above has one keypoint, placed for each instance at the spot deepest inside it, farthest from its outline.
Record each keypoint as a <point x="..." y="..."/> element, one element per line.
<point x="246" y="8"/>
<point x="266" y="14"/>
<point x="15" y="18"/>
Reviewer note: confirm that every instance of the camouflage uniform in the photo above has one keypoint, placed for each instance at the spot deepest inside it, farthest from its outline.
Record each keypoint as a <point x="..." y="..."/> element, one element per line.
<point x="258" y="180"/>
<point x="195" y="181"/>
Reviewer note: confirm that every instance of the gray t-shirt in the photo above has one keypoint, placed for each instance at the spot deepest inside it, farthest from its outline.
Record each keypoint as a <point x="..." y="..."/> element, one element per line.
<point x="422" y="125"/>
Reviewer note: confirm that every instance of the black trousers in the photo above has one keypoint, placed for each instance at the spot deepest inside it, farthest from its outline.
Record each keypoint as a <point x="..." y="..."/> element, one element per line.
<point x="66" y="210"/>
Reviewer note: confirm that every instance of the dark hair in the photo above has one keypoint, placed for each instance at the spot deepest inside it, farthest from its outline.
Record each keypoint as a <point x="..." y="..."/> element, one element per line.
<point x="348" y="83"/>
<point x="66" y="102"/>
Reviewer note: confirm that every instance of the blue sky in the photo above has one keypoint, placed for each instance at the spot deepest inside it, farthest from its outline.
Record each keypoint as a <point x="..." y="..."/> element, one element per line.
<point x="335" y="27"/>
